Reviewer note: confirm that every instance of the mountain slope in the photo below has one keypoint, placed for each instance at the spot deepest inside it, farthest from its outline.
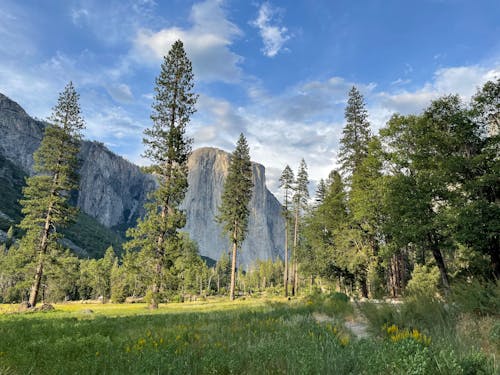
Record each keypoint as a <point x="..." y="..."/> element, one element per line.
<point x="113" y="190"/>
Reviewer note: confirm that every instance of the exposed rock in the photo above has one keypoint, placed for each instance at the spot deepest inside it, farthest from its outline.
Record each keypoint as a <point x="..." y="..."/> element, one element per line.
<point x="113" y="190"/>
<point x="21" y="135"/>
<point x="3" y="236"/>
<point x="4" y="216"/>
<point x="207" y="170"/>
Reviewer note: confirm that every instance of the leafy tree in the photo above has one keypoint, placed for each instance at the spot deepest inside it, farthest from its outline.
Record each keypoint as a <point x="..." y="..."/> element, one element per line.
<point x="156" y="235"/>
<point x="476" y="172"/>
<point x="45" y="204"/>
<point x="233" y="211"/>
<point x="300" y="201"/>
<point x="223" y="271"/>
<point x="427" y="158"/>
<point x="355" y="135"/>
<point x="286" y="183"/>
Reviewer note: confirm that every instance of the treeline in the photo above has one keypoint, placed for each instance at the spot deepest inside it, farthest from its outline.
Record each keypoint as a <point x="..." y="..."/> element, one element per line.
<point x="120" y="278"/>
<point x="416" y="206"/>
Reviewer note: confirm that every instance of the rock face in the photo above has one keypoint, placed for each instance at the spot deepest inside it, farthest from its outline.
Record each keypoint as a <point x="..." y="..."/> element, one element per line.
<point x="113" y="190"/>
<point x="207" y="170"/>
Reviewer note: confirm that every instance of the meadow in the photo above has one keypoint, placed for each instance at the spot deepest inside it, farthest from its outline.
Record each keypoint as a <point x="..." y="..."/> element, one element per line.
<point x="250" y="336"/>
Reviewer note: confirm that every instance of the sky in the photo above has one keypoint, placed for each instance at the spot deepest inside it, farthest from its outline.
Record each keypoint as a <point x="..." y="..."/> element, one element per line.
<point x="278" y="71"/>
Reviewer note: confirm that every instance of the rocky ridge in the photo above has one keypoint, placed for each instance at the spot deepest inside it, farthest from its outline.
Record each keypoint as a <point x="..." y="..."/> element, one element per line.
<point x="113" y="190"/>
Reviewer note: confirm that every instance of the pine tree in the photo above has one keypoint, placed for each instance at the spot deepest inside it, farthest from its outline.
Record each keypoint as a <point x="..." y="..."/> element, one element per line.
<point x="320" y="192"/>
<point x="286" y="183"/>
<point x="156" y="235"/>
<point x="233" y="211"/>
<point x="45" y="204"/>
<point x="300" y="199"/>
<point x="355" y="135"/>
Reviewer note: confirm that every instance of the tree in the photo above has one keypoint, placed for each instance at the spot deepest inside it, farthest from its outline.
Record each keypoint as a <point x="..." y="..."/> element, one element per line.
<point x="478" y="207"/>
<point x="45" y="203"/>
<point x="320" y="192"/>
<point x="233" y="211"/>
<point x="355" y="135"/>
<point x="286" y="183"/>
<point x="156" y="235"/>
<point x="300" y="199"/>
<point x="223" y="271"/>
<point x="367" y="218"/>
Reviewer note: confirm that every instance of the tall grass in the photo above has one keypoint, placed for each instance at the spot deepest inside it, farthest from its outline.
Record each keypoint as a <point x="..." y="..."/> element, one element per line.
<point x="247" y="337"/>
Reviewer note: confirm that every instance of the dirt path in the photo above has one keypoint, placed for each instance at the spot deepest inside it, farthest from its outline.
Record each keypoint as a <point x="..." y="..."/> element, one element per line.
<point x="357" y="326"/>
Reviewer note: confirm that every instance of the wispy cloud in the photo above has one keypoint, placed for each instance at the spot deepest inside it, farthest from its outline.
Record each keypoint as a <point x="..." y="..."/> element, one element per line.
<point x="208" y="43"/>
<point x="273" y="35"/>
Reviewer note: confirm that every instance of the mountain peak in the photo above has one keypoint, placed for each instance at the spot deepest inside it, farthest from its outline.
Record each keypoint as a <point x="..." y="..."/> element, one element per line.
<point x="7" y="104"/>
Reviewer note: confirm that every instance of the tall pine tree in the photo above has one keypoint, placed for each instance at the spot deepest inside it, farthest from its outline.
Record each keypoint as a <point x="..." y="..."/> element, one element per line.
<point x="156" y="235"/>
<point x="355" y="135"/>
<point x="286" y="183"/>
<point x="233" y="211"/>
<point x="300" y="198"/>
<point x="45" y="204"/>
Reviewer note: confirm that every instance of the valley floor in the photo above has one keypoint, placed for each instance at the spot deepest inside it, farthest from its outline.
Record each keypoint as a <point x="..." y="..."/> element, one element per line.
<point x="251" y="336"/>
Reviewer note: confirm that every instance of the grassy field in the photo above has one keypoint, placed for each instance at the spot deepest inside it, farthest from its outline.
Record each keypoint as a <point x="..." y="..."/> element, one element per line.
<point x="252" y="336"/>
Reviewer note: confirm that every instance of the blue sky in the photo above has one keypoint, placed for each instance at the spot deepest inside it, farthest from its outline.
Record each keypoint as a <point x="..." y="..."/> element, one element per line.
<point x="279" y="71"/>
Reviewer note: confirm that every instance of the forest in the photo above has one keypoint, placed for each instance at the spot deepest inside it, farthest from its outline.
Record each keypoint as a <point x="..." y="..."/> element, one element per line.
<point x="391" y="266"/>
<point x="414" y="208"/>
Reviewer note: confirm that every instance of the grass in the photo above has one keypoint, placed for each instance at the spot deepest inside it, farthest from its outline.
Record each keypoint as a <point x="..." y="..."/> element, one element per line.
<point x="252" y="336"/>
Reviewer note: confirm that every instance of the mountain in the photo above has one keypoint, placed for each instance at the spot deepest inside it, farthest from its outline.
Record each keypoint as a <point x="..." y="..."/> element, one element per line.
<point x="113" y="191"/>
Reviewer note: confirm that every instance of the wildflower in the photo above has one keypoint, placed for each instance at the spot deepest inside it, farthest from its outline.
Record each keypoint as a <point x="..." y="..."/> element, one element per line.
<point x="344" y="340"/>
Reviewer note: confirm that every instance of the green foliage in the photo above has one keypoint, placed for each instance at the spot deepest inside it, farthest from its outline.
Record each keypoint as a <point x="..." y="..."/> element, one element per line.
<point x="93" y="237"/>
<point x="156" y="235"/>
<point x="424" y="282"/>
<point x="356" y="133"/>
<point x="233" y="211"/>
<point x="477" y="297"/>
<point x="45" y="205"/>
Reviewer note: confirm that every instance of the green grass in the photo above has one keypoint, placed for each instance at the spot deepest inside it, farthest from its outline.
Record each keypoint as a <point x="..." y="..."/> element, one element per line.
<point x="252" y="336"/>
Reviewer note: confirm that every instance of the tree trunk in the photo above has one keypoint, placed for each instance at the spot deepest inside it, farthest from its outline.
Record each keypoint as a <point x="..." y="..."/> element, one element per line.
<point x="294" y="254"/>
<point x="285" y="281"/>
<point x="233" y="268"/>
<point x="438" y="257"/>
<point x="35" y="287"/>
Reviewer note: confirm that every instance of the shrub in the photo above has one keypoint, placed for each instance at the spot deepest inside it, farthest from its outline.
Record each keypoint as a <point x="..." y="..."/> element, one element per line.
<point x="424" y="282"/>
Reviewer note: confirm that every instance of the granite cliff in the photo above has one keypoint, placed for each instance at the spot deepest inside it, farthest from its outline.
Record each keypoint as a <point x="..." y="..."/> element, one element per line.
<point x="113" y="190"/>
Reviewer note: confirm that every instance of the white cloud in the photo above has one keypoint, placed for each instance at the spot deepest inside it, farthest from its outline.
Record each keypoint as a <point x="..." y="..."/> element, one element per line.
<point x="273" y="35"/>
<point x="120" y="92"/>
<point x="207" y="43"/>
<point x="462" y="80"/>
<point x="78" y="14"/>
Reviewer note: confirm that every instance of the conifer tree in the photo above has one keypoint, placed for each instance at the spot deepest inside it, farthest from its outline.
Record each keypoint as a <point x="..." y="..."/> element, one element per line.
<point x="45" y="204"/>
<point x="320" y="192"/>
<point x="355" y="135"/>
<point x="156" y="235"/>
<point x="233" y="211"/>
<point x="300" y="199"/>
<point x="286" y="183"/>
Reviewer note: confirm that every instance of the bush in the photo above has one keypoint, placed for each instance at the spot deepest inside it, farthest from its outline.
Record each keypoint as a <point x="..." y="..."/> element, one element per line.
<point x="477" y="297"/>
<point x="424" y="282"/>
